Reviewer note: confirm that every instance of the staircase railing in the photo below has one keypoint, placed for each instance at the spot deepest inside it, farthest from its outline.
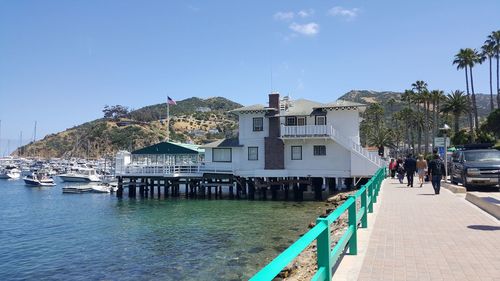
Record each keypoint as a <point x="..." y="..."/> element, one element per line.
<point x="349" y="143"/>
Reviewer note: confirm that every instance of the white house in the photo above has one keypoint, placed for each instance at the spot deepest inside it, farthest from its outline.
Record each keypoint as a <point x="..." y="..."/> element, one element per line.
<point x="294" y="138"/>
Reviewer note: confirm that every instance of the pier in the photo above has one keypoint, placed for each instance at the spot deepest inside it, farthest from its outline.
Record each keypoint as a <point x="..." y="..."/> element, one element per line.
<point x="228" y="186"/>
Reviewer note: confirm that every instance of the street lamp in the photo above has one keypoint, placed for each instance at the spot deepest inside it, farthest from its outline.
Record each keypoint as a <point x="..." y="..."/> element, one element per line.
<point x="445" y="130"/>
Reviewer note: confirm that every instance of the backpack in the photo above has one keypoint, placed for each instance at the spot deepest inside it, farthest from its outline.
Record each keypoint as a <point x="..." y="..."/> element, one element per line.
<point x="438" y="167"/>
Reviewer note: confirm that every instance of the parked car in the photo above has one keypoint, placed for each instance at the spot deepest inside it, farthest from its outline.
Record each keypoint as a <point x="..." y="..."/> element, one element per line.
<point x="476" y="167"/>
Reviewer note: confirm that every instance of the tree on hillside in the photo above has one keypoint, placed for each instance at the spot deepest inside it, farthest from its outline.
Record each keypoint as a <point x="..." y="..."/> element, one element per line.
<point x="456" y="104"/>
<point x="492" y="123"/>
<point x="115" y="111"/>
<point x="494" y="39"/>
<point x="462" y="61"/>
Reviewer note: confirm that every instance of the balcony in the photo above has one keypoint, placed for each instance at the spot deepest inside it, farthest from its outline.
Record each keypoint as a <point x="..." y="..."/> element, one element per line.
<point x="307" y="131"/>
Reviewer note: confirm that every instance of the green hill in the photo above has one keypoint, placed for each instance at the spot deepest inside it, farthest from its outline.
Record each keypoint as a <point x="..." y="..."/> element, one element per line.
<point x="194" y="119"/>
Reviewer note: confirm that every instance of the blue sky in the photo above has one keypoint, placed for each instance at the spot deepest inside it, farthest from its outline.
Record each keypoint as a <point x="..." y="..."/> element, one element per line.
<point x="62" y="61"/>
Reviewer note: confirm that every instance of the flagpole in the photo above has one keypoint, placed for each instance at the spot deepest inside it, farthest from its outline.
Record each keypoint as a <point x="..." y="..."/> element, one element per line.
<point x="168" y="120"/>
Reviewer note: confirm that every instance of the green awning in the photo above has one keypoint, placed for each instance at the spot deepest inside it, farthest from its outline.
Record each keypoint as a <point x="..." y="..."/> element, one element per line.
<point x="171" y="148"/>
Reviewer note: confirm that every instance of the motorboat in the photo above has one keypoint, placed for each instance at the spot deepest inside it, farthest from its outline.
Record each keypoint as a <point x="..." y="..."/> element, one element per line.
<point x="77" y="189"/>
<point x="10" y="172"/>
<point x="39" y="179"/>
<point x="103" y="188"/>
<point x="81" y="174"/>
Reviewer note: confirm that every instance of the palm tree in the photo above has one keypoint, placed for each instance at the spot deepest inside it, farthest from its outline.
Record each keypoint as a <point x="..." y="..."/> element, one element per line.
<point x="426" y="99"/>
<point x="391" y="103"/>
<point x="437" y="97"/>
<point x="381" y="138"/>
<point x="494" y="39"/>
<point x="475" y="58"/>
<point x="489" y="51"/>
<point x="419" y="86"/>
<point x="461" y="60"/>
<point x="456" y="103"/>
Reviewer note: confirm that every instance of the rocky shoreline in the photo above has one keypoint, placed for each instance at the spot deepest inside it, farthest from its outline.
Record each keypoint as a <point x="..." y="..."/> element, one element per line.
<point x="304" y="266"/>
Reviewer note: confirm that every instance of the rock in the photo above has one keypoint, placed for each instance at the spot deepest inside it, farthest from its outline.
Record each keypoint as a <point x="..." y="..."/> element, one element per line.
<point x="311" y="225"/>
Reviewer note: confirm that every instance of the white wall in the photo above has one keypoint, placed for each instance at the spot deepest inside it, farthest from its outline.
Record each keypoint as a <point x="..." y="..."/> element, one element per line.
<point x="337" y="158"/>
<point x="233" y="165"/>
<point x="246" y="127"/>
<point x="346" y="122"/>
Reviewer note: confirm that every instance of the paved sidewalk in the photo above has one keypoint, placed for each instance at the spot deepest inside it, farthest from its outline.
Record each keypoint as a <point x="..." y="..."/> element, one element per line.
<point x="421" y="236"/>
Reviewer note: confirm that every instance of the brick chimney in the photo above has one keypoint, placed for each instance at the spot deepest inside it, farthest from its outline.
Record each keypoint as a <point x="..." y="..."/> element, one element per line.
<point x="274" y="100"/>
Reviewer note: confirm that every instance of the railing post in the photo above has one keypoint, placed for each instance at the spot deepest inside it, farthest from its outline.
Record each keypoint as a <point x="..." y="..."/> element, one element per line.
<point x="323" y="247"/>
<point x="370" y="193"/>
<point x="353" y="242"/>
<point x="364" y="219"/>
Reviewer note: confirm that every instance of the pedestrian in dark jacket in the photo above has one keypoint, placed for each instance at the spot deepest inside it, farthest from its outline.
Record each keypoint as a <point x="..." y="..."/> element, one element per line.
<point x="436" y="170"/>
<point x="410" y="166"/>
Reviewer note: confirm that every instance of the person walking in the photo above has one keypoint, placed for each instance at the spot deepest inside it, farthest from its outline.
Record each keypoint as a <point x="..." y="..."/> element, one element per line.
<point x="410" y="166"/>
<point x="436" y="169"/>
<point x="400" y="171"/>
<point x="392" y="167"/>
<point x="421" y="169"/>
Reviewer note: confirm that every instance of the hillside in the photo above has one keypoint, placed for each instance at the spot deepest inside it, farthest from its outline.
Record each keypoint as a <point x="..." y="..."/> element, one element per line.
<point x="194" y="119"/>
<point x="368" y="97"/>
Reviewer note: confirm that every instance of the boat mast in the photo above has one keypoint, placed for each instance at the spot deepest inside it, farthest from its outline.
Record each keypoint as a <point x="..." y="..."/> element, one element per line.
<point x="1" y="154"/>
<point x="34" y="134"/>
<point x="20" y="144"/>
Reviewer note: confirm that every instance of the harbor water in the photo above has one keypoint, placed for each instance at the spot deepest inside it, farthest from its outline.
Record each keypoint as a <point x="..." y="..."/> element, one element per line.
<point x="48" y="235"/>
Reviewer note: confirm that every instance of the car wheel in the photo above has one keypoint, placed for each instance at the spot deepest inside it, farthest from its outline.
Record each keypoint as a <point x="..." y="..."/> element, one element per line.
<point x="453" y="181"/>
<point x="464" y="182"/>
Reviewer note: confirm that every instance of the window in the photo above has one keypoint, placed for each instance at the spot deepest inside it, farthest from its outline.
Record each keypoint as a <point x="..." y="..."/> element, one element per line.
<point x="221" y="155"/>
<point x="301" y="121"/>
<point x="258" y="124"/>
<point x="296" y="152"/>
<point x="253" y="153"/>
<point x="320" y="120"/>
<point x="291" y="121"/>
<point x="319" y="150"/>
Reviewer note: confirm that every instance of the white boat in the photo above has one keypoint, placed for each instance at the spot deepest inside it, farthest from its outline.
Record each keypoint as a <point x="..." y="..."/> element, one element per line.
<point x="10" y="172"/>
<point x="77" y="189"/>
<point x="103" y="188"/>
<point x="80" y="174"/>
<point x="39" y="179"/>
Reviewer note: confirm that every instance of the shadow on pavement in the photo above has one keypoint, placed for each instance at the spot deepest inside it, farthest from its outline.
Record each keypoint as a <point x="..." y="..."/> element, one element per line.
<point x="484" y="227"/>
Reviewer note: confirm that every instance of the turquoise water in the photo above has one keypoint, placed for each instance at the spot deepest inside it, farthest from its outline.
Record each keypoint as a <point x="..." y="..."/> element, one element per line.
<point x="47" y="235"/>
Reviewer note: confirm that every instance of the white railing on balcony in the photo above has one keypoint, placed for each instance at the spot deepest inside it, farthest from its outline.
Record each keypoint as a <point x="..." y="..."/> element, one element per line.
<point x="305" y="131"/>
<point x="174" y="170"/>
<point x="328" y="131"/>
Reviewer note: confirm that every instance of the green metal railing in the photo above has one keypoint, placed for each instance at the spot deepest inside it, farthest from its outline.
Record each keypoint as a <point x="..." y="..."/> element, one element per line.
<point x="321" y="232"/>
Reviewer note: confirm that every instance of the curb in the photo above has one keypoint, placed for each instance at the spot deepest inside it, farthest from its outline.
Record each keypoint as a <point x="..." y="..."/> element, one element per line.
<point x="454" y="188"/>
<point x="488" y="204"/>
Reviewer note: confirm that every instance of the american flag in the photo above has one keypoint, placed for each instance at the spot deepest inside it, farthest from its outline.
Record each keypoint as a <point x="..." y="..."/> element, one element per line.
<point x="171" y="101"/>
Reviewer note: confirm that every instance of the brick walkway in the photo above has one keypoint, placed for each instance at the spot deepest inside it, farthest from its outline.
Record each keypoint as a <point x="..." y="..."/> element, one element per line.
<point x="421" y="236"/>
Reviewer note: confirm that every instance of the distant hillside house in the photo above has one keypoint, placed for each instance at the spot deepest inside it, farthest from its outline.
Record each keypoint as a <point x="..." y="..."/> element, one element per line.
<point x="203" y="109"/>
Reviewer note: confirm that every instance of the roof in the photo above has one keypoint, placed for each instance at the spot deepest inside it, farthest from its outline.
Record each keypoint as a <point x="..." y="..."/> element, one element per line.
<point x="170" y="148"/>
<point x="232" y="142"/>
<point x="252" y="108"/>
<point x="342" y="104"/>
<point x="300" y="107"/>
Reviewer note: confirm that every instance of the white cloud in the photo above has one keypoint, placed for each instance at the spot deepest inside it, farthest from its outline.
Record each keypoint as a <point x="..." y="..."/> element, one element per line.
<point x="305" y="13"/>
<point x="284" y="16"/>
<point x="308" y="29"/>
<point x="346" y="13"/>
